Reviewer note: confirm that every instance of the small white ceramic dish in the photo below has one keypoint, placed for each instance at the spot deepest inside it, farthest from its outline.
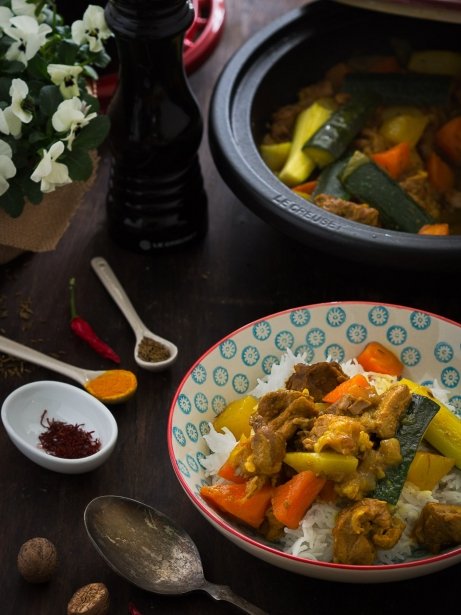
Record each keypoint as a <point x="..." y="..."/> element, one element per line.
<point x="428" y="345"/>
<point x="23" y="408"/>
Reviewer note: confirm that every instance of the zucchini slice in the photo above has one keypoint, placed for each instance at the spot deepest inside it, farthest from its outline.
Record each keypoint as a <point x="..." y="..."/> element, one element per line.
<point x="370" y="184"/>
<point x="333" y="138"/>
<point x="401" y="88"/>
<point x="329" y="183"/>
<point x="444" y="432"/>
<point x="411" y="430"/>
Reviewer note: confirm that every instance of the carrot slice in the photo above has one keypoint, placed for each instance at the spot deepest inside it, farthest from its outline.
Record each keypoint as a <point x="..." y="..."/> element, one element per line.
<point x="440" y="228"/>
<point x="448" y="139"/>
<point x="291" y="500"/>
<point x="354" y="386"/>
<point x="307" y="187"/>
<point x="394" y="160"/>
<point x="385" y="64"/>
<point x="231" y="498"/>
<point x="440" y="174"/>
<point x="377" y="358"/>
<point x="227" y="471"/>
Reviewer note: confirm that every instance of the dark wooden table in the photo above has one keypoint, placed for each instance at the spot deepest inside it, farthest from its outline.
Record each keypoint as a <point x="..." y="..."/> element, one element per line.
<point x="241" y="271"/>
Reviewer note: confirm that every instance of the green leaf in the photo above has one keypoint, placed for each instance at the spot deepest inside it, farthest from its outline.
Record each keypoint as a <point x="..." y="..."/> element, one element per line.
<point x="79" y="164"/>
<point x="90" y="72"/>
<point x="37" y="68"/>
<point x="22" y="153"/>
<point x="94" y="133"/>
<point x="12" y="202"/>
<point x="90" y="100"/>
<point x="101" y="59"/>
<point x="32" y="191"/>
<point x="49" y="99"/>
<point x="5" y="85"/>
<point x="11" y="67"/>
<point x="66" y="53"/>
<point x="37" y="136"/>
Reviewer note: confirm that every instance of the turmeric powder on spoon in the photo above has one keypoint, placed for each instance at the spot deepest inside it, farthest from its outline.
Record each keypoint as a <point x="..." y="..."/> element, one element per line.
<point x="113" y="386"/>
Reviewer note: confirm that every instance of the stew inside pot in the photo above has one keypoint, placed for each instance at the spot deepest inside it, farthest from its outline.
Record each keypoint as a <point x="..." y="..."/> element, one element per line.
<point x="377" y="140"/>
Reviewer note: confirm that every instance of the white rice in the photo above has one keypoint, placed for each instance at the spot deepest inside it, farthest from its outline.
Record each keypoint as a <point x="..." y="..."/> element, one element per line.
<point x="313" y="538"/>
<point x="221" y="445"/>
<point x="280" y="373"/>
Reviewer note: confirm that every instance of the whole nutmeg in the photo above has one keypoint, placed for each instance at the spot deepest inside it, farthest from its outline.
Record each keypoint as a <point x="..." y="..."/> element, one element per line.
<point x="91" y="599"/>
<point x="37" y="560"/>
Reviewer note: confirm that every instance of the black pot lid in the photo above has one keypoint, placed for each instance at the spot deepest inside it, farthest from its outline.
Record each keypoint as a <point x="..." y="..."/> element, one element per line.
<point x="439" y="10"/>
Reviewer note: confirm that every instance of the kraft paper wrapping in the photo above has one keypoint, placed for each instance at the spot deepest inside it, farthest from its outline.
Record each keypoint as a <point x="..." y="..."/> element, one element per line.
<point x="40" y="227"/>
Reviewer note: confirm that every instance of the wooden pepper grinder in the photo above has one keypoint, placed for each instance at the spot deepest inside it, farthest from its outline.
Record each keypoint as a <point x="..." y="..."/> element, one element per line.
<point x="156" y="199"/>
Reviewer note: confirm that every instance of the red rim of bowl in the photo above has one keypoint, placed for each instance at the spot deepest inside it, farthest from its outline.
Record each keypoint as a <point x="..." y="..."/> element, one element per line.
<point x="221" y="521"/>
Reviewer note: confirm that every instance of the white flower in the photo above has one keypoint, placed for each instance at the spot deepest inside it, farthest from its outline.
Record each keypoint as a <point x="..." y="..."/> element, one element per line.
<point x="92" y="29"/>
<point x="71" y="116"/>
<point x="18" y="92"/>
<point x="9" y="123"/>
<point x="30" y="36"/>
<point x="18" y="7"/>
<point x="50" y="173"/>
<point x="4" y="123"/>
<point x="66" y="78"/>
<point x="7" y="168"/>
<point x="23" y="7"/>
<point x="5" y="16"/>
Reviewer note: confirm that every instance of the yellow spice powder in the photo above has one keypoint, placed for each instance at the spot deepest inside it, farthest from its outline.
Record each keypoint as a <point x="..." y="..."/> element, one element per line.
<point x="112" y="384"/>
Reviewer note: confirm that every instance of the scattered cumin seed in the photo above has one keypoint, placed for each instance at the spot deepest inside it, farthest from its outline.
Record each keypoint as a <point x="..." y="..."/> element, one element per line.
<point x="10" y="367"/>
<point x="25" y="309"/>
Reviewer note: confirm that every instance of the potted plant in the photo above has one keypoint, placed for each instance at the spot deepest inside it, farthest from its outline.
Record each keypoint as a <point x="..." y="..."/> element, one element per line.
<point x="50" y="125"/>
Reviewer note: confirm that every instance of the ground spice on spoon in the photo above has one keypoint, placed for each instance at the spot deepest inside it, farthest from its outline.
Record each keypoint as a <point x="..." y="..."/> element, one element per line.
<point x="152" y="351"/>
<point x="65" y="440"/>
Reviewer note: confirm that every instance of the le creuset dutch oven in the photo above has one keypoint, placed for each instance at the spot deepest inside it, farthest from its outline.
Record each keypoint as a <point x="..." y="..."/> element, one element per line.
<point x="266" y="73"/>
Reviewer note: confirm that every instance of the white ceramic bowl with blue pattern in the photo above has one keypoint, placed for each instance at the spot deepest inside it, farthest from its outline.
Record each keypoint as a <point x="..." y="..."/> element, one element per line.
<point x="428" y="345"/>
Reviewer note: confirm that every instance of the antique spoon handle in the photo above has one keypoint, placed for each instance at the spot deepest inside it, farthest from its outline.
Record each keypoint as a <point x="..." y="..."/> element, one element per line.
<point x="113" y="286"/>
<point x="222" y="592"/>
<point x="34" y="356"/>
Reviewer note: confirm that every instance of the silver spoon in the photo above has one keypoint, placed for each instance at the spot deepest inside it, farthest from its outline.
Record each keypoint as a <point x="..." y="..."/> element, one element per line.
<point x="118" y="294"/>
<point x="149" y="550"/>
<point x="83" y="376"/>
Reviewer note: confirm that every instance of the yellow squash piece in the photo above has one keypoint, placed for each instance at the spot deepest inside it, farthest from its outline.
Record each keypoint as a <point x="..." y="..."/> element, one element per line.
<point x="444" y="431"/>
<point x="427" y="469"/>
<point x="436" y="62"/>
<point x="327" y="464"/>
<point x="236" y="416"/>
<point x="403" y="124"/>
<point x="298" y="166"/>
<point x="275" y="154"/>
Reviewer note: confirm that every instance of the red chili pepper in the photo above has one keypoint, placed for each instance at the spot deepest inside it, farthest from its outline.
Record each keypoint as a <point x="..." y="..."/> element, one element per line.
<point x="133" y="610"/>
<point x="84" y="330"/>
